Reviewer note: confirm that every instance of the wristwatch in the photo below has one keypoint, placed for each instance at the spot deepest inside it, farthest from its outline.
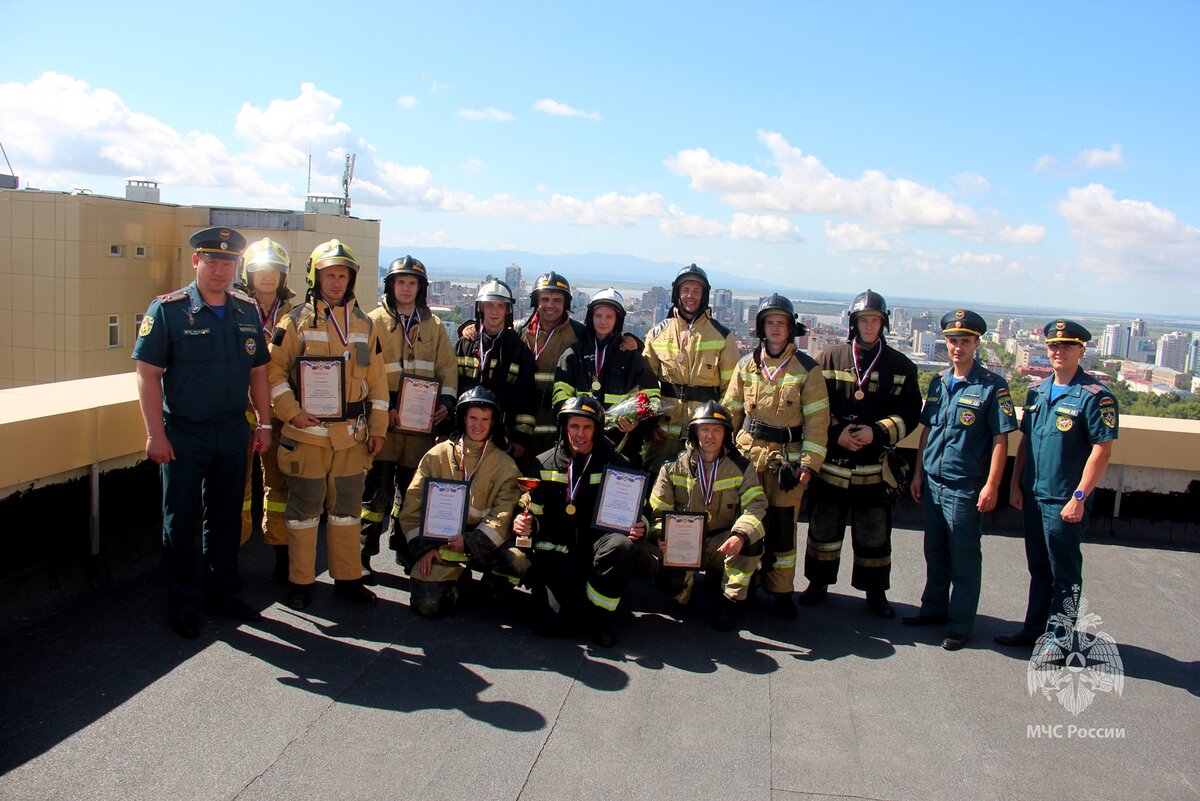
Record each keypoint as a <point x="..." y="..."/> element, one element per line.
<point x="1078" y="495"/>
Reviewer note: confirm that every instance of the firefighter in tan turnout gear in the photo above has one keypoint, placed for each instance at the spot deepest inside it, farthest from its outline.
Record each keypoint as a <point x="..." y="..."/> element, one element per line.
<point x="474" y="453"/>
<point x="693" y="357"/>
<point x="415" y="345"/>
<point x="711" y="477"/>
<point x="325" y="458"/>
<point x="265" y="267"/>
<point x="780" y="408"/>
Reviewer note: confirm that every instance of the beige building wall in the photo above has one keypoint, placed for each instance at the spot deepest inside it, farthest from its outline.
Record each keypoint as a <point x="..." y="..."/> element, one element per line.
<point x="78" y="271"/>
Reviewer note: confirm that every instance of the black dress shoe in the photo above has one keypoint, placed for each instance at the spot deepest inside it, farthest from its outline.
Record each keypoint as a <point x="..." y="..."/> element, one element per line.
<point x="354" y="591"/>
<point x="1020" y="638"/>
<point x="924" y="620"/>
<point x="813" y="594"/>
<point x="954" y="641"/>
<point x="878" y="602"/>
<point x="299" y="597"/>
<point x="784" y="606"/>
<point x="186" y="625"/>
<point x="234" y="609"/>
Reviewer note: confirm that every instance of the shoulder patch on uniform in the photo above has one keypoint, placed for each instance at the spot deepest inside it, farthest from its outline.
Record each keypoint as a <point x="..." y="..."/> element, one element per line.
<point x="1107" y="400"/>
<point x="1001" y="391"/>
<point x="174" y="297"/>
<point x="147" y="326"/>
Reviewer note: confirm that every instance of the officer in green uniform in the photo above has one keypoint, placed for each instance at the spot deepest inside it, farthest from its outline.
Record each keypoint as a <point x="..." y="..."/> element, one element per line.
<point x="199" y="351"/>
<point x="1067" y="434"/>
<point x="961" y="460"/>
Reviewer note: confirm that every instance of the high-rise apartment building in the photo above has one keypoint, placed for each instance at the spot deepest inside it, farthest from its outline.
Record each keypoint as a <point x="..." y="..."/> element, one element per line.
<point x="1115" y="341"/>
<point x="1137" y="328"/>
<point x="1172" y="350"/>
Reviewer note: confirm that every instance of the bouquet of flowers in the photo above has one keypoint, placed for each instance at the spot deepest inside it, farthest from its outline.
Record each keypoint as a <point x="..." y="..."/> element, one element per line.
<point x="633" y="409"/>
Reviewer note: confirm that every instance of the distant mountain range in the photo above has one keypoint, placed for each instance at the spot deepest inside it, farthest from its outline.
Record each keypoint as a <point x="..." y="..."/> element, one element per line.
<point x="580" y="268"/>
<point x="604" y="269"/>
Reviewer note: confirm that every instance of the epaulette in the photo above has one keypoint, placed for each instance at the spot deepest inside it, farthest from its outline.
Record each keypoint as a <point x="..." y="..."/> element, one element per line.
<point x="987" y="375"/>
<point x="174" y="297"/>
<point x="1095" y="389"/>
<point x="242" y="296"/>
<point x="722" y="330"/>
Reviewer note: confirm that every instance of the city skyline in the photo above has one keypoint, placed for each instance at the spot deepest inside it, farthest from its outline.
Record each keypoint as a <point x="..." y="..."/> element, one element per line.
<point x="905" y="148"/>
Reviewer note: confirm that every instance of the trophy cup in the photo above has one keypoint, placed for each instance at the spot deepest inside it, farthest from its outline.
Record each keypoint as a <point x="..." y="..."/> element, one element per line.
<point x="528" y="485"/>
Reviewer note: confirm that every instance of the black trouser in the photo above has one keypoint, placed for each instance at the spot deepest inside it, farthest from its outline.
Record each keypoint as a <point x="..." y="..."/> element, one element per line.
<point x="383" y="495"/>
<point x="594" y="575"/>
<point x="202" y="510"/>
<point x="870" y="518"/>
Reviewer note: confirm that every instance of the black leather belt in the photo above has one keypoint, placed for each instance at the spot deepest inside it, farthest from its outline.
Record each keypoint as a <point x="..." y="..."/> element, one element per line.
<point x="351" y="411"/>
<point x="773" y="433"/>
<point x="687" y="392"/>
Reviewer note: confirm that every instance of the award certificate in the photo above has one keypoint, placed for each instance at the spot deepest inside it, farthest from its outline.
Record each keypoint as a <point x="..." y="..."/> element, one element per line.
<point x="619" y="502"/>
<point x="321" y="386"/>
<point x="445" y="509"/>
<point x="418" y="400"/>
<point x="683" y="539"/>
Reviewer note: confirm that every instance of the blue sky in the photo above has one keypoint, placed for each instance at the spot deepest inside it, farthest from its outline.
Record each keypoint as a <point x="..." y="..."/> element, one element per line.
<point x="1019" y="153"/>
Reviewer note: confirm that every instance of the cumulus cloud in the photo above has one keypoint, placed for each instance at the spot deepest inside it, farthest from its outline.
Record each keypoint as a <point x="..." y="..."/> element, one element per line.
<point x="490" y="113"/>
<point x="677" y="223"/>
<point x="763" y="228"/>
<point x="406" y="101"/>
<point x="1119" y="237"/>
<point x="801" y="184"/>
<point x="1027" y="234"/>
<point x="853" y="238"/>
<point x="1093" y="159"/>
<point x="556" y="109"/>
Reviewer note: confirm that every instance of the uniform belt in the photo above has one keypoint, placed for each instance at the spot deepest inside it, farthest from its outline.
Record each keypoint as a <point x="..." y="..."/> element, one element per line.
<point x="687" y="392"/>
<point x="773" y="433"/>
<point x="351" y="411"/>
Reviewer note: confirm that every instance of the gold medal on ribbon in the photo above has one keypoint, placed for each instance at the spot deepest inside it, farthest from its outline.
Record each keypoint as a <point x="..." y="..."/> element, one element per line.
<point x="595" y="386"/>
<point x="570" y="508"/>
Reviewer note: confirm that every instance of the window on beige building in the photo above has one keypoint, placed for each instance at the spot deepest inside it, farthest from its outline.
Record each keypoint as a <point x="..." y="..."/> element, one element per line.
<point x="115" y="250"/>
<point x="114" y="331"/>
<point x="141" y="252"/>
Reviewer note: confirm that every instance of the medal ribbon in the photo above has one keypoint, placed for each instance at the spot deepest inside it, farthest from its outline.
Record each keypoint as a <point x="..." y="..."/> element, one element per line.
<point x="572" y="484"/>
<point x="268" y="318"/>
<point x="484" y="356"/>
<point x="482" y="451"/>
<point x="682" y="341"/>
<point x="412" y="320"/>
<point x="537" y="327"/>
<point x="343" y="333"/>
<point x="770" y="374"/>
<point x="708" y="480"/>
<point x="860" y="377"/>
<point x="600" y="354"/>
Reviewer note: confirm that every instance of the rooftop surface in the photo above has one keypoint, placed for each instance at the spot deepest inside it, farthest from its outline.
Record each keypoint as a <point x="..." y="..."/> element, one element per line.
<point x="102" y="701"/>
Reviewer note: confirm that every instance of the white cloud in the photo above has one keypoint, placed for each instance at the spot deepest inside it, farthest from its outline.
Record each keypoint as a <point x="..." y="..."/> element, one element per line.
<point x="307" y="118"/>
<point x="1099" y="159"/>
<point x="490" y="113"/>
<point x="804" y="185"/>
<point x="406" y="101"/>
<point x="474" y="166"/>
<point x="556" y="109"/>
<point x="970" y="183"/>
<point x="1027" y="234"/>
<point x="980" y="259"/>
<point x="1122" y="238"/>
<point x="852" y="237"/>
<point x="763" y="228"/>
<point x="692" y="226"/>
<point x="438" y="86"/>
<point x="1046" y="164"/>
<point x="1093" y="159"/>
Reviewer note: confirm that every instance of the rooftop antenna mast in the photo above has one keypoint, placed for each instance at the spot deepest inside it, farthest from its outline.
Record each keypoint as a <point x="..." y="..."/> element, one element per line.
<point x="347" y="177"/>
<point x="308" y="191"/>
<point x="6" y="161"/>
